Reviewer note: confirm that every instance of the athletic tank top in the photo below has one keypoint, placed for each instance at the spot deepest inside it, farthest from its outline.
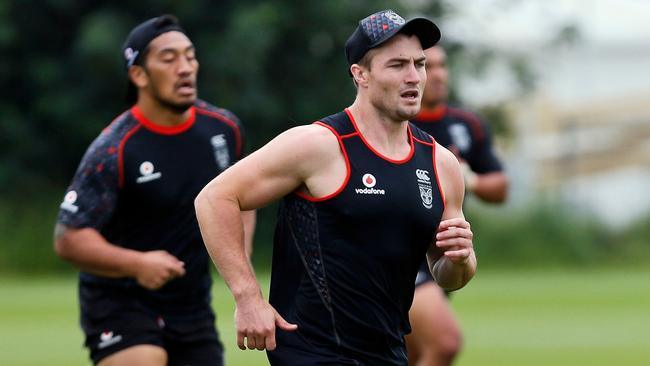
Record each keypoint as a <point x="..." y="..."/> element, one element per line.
<point x="344" y="265"/>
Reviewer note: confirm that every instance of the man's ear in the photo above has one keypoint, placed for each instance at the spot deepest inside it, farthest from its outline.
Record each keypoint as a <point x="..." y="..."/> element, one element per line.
<point x="360" y="75"/>
<point x="138" y="76"/>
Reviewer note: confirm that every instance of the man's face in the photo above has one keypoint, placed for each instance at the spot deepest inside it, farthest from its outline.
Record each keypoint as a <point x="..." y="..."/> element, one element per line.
<point x="396" y="77"/>
<point x="171" y="67"/>
<point x="436" y="89"/>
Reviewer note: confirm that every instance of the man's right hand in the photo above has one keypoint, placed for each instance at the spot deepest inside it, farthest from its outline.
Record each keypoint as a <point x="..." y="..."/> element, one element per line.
<point x="255" y="321"/>
<point x="156" y="268"/>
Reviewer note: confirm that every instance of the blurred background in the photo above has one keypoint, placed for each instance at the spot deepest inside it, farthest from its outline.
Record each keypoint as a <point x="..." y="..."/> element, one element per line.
<point x="563" y="266"/>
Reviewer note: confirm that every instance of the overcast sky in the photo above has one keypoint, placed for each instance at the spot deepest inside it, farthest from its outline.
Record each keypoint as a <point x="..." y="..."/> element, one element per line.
<point x="526" y="20"/>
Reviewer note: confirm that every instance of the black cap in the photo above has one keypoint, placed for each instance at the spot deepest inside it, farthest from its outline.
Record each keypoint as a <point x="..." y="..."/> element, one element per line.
<point x="138" y="40"/>
<point x="379" y="27"/>
<point x="140" y="37"/>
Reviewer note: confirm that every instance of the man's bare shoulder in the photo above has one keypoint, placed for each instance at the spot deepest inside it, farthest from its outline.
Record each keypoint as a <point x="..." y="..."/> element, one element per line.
<point x="450" y="175"/>
<point x="445" y="158"/>
<point x="312" y="140"/>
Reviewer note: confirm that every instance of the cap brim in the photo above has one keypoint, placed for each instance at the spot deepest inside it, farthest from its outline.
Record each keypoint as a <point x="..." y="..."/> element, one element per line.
<point x="427" y="32"/>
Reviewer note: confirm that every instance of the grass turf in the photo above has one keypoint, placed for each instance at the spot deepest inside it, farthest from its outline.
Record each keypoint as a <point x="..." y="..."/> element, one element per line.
<point x="580" y="317"/>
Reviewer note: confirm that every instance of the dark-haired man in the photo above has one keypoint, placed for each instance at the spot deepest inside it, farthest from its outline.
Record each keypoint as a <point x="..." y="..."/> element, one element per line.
<point x="365" y="195"/>
<point x="436" y="338"/>
<point x="127" y="219"/>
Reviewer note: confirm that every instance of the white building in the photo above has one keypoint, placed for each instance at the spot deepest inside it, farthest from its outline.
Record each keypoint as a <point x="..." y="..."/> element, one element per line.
<point x="583" y="133"/>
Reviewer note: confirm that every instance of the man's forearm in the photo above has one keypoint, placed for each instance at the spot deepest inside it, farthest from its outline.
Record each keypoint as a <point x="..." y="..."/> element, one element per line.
<point x="249" y="219"/>
<point x="222" y="229"/>
<point x="453" y="276"/>
<point x="88" y="250"/>
<point x="491" y="187"/>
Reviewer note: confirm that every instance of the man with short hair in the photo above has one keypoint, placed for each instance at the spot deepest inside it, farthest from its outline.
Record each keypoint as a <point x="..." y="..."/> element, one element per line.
<point x="128" y="221"/>
<point x="365" y="195"/>
<point x="436" y="337"/>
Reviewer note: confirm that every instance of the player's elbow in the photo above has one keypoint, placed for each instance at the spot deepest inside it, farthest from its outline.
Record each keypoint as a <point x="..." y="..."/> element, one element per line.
<point x="62" y="244"/>
<point x="497" y="191"/>
<point x="203" y="203"/>
<point x="502" y="192"/>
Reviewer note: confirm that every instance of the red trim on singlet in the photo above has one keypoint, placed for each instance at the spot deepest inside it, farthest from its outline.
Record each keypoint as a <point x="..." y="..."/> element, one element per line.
<point x="164" y="130"/>
<point x="424" y="142"/>
<point x="229" y="122"/>
<point x="120" y="154"/>
<point x="432" y="115"/>
<point x="347" y="168"/>
<point x="435" y="169"/>
<point x="410" y="135"/>
<point x="474" y="122"/>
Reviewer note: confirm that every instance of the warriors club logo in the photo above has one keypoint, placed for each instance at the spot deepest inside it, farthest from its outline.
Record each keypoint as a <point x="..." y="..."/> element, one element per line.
<point x="221" y="154"/>
<point x="426" y="191"/>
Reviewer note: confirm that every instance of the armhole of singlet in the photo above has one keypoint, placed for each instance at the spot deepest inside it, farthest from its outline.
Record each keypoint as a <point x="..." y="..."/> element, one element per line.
<point x="120" y="154"/>
<point x="347" y="170"/>
<point x="435" y="169"/>
<point x="433" y="145"/>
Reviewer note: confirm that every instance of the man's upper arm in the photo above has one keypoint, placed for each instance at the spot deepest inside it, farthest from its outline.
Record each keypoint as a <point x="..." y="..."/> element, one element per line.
<point x="276" y="169"/>
<point x="92" y="195"/>
<point x="451" y="181"/>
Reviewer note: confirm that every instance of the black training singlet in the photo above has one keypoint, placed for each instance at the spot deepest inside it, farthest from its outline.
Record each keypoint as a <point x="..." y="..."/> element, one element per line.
<point x="136" y="185"/>
<point x="344" y="265"/>
<point x="464" y="134"/>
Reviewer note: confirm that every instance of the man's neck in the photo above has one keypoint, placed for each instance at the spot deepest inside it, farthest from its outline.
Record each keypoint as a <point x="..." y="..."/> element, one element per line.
<point x="387" y="136"/>
<point x="162" y="115"/>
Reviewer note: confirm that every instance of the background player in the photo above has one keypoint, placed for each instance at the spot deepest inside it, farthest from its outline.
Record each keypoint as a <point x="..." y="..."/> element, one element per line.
<point x="128" y="221"/>
<point x="436" y="337"/>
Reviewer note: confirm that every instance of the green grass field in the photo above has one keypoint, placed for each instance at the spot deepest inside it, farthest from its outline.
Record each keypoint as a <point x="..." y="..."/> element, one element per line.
<point x="529" y="318"/>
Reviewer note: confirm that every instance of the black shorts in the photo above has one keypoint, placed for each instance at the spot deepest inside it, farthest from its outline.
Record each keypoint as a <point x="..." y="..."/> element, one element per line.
<point x="113" y="320"/>
<point x="424" y="275"/>
<point x="295" y="349"/>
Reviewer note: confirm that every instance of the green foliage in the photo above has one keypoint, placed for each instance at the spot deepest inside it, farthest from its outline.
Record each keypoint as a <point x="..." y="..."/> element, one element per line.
<point x="551" y="234"/>
<point x="540" y="235"/>
<point x="275" y="63"/>
<point x="632" y="245"/>
<point x="499" y="121"/>
<point x="27" y="224"/>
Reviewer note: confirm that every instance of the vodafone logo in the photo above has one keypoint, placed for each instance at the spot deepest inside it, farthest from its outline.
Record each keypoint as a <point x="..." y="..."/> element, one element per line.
<point x="71" y="197"/>
<point x="107" y="339"/>
<point x="147" y="173"/>
<point x="69" y="201"/>
<point x="369" y="180"/>
<point x="146" y="168"/>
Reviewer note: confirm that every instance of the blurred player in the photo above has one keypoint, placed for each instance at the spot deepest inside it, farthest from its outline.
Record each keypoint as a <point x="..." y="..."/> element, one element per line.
<point x="128" y="221"/>
<point x="436" y="337"/>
